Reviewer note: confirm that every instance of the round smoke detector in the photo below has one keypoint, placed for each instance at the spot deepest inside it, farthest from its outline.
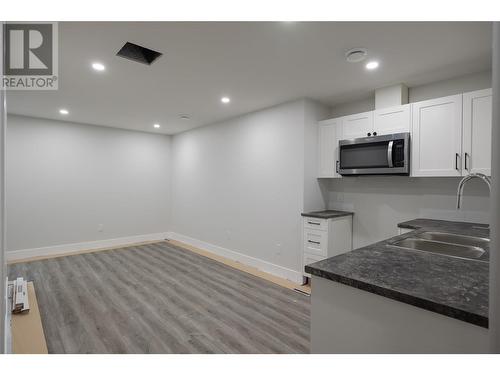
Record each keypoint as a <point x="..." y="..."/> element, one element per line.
<point x="355" y="55"/>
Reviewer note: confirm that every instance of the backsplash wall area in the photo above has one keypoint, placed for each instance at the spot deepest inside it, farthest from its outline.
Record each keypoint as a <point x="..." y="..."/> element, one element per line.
<point x="379" y="203"/>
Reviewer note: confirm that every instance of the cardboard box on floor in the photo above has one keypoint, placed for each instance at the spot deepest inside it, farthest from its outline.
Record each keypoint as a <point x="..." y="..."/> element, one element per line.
<point x="27" y="329"/>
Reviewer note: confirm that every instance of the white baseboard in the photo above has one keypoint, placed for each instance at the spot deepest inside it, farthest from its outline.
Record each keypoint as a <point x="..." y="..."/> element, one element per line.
<point x="260" y="264"/>
<point x="81" y="246"/>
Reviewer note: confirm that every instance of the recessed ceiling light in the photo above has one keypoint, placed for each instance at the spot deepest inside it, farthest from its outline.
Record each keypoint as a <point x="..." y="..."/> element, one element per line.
<point x="156" y="126"/>
<point x="98" y="66"/>
<point x="225" y="100"/>
<point x="184" y="117"/>
<point x="63" y="111"/>
<point x="372" y="65"/>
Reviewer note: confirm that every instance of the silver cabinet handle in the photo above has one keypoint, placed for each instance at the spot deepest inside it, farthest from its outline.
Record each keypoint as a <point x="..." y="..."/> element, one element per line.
<point x="337" y="166"/>
<point x="465" y="160"/>
<point x="315" y="242"/>
<point x="456" y="161"/>
<point x="389" y="154"/>
<point x="312" y="222"/>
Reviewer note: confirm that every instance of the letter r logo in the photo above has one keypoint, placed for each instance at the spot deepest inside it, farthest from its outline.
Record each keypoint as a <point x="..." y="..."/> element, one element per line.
<point x="28" y="49"/>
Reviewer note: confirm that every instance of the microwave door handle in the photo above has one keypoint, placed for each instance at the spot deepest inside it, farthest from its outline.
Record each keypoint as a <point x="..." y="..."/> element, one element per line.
<point x="389" y="154"/>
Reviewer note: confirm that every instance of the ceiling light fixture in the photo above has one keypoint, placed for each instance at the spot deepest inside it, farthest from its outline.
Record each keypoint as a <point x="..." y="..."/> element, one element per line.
<point x="98" y="66"/>
<point x="372" y="65"/>
<point x="156" y="126"/>
<point x="63" y="111"/>
<point x="184" y="117"/>
<point x="225" y="100"/>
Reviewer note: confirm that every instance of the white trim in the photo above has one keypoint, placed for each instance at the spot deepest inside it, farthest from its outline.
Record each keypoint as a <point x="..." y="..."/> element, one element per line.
<point x="8" y="322"/>
<point x="81" y="246"/>
<point x="3" y="269"/>
<point x="260" y="264"/>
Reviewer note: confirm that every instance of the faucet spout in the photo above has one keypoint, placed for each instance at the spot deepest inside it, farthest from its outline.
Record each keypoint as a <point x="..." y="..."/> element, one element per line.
<point x="469" y="177"/>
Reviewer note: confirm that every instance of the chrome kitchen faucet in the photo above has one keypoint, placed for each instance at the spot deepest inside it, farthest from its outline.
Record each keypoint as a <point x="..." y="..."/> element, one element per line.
<point x="461" y="185"/>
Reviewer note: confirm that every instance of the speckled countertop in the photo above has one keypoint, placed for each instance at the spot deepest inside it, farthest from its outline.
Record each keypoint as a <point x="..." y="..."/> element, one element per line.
<point x="327" y="214"/>
<point x="454" y="287"/>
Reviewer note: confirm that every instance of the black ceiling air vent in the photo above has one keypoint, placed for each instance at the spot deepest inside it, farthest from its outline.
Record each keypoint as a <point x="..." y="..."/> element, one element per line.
<point x="138" y="54"/>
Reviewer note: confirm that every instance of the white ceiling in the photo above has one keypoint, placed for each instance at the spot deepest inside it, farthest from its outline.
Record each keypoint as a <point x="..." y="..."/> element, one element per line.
<point x="256" y="64"/>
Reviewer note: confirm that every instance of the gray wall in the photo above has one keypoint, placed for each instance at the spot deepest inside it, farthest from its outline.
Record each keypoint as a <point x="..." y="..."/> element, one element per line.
<point x="313" y="112"/>
<point x="357" y="106"/>
<point x="470" y="82"/>
<point x="240" y="184"/>
<point x="64" y="179"/>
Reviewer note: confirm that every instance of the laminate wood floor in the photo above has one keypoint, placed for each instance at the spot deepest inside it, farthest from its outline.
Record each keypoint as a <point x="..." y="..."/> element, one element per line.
<point x="159" y="298"/>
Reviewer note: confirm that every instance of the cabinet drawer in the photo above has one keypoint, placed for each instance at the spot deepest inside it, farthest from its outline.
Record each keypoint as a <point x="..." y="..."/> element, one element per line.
<point x="308" y="259"/>
<point x="316" y="224"/>
<point x="315" y="242"/>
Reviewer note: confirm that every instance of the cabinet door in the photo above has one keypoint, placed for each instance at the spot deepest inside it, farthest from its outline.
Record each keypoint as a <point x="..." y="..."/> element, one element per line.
<point x="392" y="120"/>
<point x="477" y="132"/>
<point x="339" y="235"/>
<point x="328" y="143"/>
<point x="437" y="137"/>
<point x="357" y="126"/>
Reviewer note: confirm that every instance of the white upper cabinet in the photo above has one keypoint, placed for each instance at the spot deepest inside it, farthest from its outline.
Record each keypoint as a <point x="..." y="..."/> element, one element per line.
<point x="329" y="134"/>
<point x="450" y="136"/>
<point x="392" y="120"/>
<point x="357" y="126"/>
<point x="437" y="137"/>
<point x="477" y="121"/>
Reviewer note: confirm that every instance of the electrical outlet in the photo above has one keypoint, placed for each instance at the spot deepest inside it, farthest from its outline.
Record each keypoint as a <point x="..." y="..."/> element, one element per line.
<point x="100" y="227"/>
<point x="278" y="249"/>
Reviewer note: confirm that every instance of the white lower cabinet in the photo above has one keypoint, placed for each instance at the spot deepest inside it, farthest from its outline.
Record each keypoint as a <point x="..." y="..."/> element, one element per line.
<point x="314" y="223"/>
<point x="316" y="242"/>
<point x="325" y="238"/>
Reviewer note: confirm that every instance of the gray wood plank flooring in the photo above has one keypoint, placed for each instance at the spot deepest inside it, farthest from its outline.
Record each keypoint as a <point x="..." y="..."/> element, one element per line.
<point x="159" y="298"/>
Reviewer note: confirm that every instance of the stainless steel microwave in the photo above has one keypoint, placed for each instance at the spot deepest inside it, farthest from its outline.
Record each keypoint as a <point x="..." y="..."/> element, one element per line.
<point x="383" y="154"/>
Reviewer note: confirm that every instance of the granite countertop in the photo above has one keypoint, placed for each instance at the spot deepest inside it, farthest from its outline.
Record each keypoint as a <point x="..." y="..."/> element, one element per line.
<point x="451" y="286"/>
<point x="327" y="214"/>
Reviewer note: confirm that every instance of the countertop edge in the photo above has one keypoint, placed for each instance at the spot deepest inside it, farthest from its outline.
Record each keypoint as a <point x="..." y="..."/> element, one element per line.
<point x="408" y="226"/>
<point x="422" y="303"/>
<point x="319" y="216"/>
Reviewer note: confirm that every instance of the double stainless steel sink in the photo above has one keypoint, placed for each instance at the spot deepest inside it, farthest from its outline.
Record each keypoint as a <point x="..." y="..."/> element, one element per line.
<point x="454" y="245"/>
